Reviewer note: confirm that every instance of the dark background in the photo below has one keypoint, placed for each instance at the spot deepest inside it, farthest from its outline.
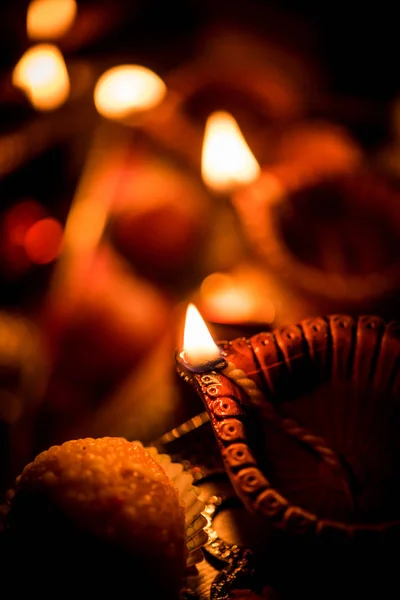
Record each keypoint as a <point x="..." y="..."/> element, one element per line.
<point x="351" y="46"/>
<point x="356" y="42"/>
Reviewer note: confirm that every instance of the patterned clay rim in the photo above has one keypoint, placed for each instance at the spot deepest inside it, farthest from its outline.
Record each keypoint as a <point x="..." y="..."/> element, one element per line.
<point x="339" y="345"/>
<point x="255" y="210"/>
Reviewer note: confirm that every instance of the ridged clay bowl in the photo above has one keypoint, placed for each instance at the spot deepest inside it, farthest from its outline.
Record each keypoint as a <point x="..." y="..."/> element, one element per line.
<point x="307" y="421"/>
<point x="330" y="241"/>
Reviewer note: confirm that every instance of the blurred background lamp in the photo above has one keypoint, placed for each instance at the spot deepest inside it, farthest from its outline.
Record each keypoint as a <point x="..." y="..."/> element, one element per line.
<point x="127" y="89"/>
<point x="42" y="74"/>
<point x="50" y="19"/>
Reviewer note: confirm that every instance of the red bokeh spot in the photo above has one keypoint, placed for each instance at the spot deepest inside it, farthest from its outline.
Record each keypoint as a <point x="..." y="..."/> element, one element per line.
<point x="43" y="241"/>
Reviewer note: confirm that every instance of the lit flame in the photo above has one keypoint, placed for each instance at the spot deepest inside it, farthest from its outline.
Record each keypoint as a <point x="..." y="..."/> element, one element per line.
<point x="42" y="74"/>
<point x="50" y="19"/>
<point x="227" y="161"/>
<point x="125" y="90"/>
<point x="198" y="345"/>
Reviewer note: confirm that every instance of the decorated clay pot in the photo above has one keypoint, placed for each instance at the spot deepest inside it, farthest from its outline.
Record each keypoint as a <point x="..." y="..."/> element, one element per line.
<point x="307" y="421"/>
<point x="327" y="242"/>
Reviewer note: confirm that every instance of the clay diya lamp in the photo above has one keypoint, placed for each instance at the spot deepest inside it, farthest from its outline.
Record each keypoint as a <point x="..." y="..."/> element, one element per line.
<point x="325" y="230"/>
<point x="306" y="418"/>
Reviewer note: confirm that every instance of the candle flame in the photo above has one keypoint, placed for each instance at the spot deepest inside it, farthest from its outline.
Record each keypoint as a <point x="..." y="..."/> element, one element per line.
<point x="127" y="89"/>
<point x="50" y="19"/>
<point x="227" y="161"/>
<point x="42" y="74"/>
<point x="198" y="344"/>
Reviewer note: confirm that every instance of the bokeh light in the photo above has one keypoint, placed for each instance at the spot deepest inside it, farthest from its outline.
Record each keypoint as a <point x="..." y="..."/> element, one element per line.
<point x="42" y="74"/>
<point x="43" y="241"/>
<point x="124" y="90"/>
<point x="50" y="19"/>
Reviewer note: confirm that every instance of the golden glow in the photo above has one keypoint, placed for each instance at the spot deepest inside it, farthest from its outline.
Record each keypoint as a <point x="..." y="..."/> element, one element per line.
<point x="42" y="74"/>
<point x="237" y="297"/>
<point x="125" y="90"/>
<point x="198" y="344"/>
<point x="50" y="19"/>
<point x="85" y="226"/>
<point x="227" y="161"/>
<point x="226" y="301"/>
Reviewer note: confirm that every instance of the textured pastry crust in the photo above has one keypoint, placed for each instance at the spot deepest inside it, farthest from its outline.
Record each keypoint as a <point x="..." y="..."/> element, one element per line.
<point x="98" y="514"/>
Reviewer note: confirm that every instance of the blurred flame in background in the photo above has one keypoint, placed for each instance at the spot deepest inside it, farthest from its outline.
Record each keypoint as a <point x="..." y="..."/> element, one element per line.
<point x="126" y="89"/>
<point x="50" y="19"/>
<point x="42" y="74"/>
<point x="240" y="296"/>
<point x="227" y="161"/>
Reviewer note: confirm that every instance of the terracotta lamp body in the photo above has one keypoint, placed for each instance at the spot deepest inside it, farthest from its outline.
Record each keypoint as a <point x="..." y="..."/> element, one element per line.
<point x="307" y="422"/>
<point x="328" y="245"/>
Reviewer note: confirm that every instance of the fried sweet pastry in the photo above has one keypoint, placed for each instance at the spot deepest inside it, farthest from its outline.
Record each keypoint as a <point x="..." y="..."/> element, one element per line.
<point x="96" y="515"/>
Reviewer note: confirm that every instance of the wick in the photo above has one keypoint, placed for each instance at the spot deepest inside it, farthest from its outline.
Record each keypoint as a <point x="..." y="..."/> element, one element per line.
<point x="201" y="366"/>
